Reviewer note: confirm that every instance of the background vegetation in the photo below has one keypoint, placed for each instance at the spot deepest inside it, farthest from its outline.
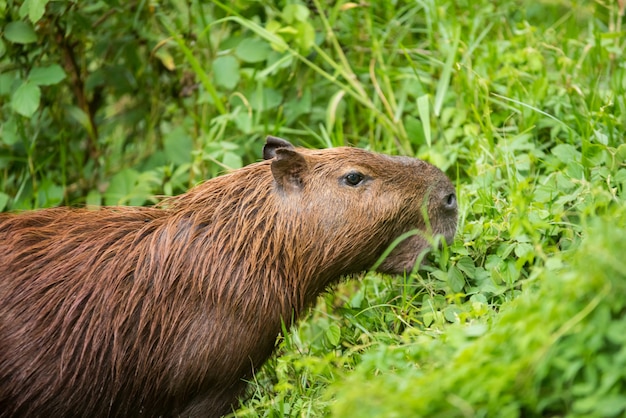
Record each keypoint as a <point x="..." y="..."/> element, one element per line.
<point x="522" y="102"/>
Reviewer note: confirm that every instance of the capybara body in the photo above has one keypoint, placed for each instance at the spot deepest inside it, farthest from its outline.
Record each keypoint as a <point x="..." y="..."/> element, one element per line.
<point x="164" y="311"/>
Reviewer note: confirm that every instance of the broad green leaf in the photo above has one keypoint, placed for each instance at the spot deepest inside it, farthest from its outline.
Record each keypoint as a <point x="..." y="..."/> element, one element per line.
<point x="274" y="27"/>
<point x="94" y="199"/>
<point x="595" y="155"/>
<point x="333" y="334"/>
<point x="243" y="121"/>
<point x="178" y="145"/>
<point x="466" y="265"/>
<point x="566" y="153"/>
<point x="298" y="106"/>
<point x="455" y="279"/>
<point x="476" y="330"/>
<point x="266" y="100"/>
<point x="612" y="405"/>
<point x="6" y="82"/>
<point x="232" y="160"/>
<point x="34" y="8"/>
<point x="226" y="71"/>
<point x="8" y="131"/>
<point x="451" y="313"/>
<point x="46" y="76"/>
<point x="20" y="33"/>
<point x="428" y="318"/>
<point x="121" y="187"/>
<point x="49" y="193"/>
<point x="295" y="13"/>
<point x="253" y="50"/>
<point x="25" y="99"/>
<point x="305" y="36"/>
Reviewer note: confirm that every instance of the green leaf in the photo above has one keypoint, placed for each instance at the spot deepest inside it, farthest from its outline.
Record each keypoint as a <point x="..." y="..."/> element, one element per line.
<point x="446" y="72"/>
<point x="4" y="200"/>
<point x="77" y="114"/>
<point x="428" y="318"/>
<point x="455" y="279"/>
<point x="25" y="100"/>
<point x="466" y="265"/>
<point x="305" y="36"/>
<point x="620" y="153"/>
<point x="266" y="99"/>
<point x="232" y="160"/>
<point x="121" y="187"/>
<point x="295" y="13"/>
<point x="94" y="199"/>
<point x="34" y="8"/>
<point x="298" y="106"/>
<point x="612" y="405"/>
<point x="566" y="153"/>
<point x="6" y="82"/>
<point x="3" y="48"/>
<point x="595" y="155"/>
<point x="178" y="146"/>
<point x="8" y="131"/>
<point x="49" y="193"/>
<point x="423" y="108"/>
<point x="243" y="121"/>
<point x="253" y="50"/>
<point x="46" y="76"/>
<point x="333" y="334"/>
<point x="226" y="72"/>
<point x="20" y="33"/>
<point x="451" y="313"/>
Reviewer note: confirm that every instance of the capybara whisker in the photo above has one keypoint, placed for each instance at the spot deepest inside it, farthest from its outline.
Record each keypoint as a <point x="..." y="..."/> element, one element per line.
<point x="166" y="311"/>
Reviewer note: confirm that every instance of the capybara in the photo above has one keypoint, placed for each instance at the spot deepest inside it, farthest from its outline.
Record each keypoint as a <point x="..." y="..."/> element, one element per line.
<point x="165" y="311"/>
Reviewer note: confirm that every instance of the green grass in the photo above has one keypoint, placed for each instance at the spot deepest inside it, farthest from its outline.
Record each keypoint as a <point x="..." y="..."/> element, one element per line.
<point x="522" y="103"/>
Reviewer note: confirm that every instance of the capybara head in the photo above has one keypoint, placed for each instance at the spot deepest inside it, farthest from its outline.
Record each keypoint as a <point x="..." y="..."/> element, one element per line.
<point x="164" y="311"/>
<point x="358" y="202"/>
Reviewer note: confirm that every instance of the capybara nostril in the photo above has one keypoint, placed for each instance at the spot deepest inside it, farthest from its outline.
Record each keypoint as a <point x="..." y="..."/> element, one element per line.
<point x="449" y="202"/>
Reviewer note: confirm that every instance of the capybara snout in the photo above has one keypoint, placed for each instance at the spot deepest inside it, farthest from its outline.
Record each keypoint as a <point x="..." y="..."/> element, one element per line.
<point x="166" y="310"/>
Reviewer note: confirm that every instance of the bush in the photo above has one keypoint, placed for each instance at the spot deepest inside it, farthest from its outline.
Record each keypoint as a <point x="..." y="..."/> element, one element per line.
<point x="558" y="349"/>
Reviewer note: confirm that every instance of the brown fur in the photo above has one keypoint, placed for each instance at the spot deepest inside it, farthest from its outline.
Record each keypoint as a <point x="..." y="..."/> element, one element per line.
<point x="163" y="311"/>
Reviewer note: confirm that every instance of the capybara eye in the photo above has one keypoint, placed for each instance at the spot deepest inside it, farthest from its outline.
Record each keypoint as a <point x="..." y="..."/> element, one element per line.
<point x="354" y="178"/>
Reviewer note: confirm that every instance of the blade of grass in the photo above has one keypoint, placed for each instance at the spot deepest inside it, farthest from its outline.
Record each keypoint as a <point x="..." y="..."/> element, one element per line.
<point x="423" y="108"/>
<point x="444" y="81"/>
<point x="517" y="102"/>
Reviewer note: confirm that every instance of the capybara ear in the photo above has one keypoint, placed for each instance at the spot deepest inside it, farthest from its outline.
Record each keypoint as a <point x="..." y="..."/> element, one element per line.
<point x="289" y="169"/>
<point x="272" y="143"/>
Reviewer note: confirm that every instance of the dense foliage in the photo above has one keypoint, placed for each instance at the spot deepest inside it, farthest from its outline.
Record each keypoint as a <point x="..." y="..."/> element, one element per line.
<point x="523" y="103"/>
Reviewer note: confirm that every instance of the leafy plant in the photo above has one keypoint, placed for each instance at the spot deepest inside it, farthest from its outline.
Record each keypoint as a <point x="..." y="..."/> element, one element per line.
<point x="554" y="350"/>
<point x="522" y="103"/>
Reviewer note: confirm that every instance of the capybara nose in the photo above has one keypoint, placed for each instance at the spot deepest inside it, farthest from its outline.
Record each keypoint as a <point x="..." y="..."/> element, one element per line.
<point x="449" y="202"/>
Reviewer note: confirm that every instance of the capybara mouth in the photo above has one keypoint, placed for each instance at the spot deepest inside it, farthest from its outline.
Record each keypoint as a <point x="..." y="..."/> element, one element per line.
<point x="408" y="253"/>
<point x="414" y="249"/>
